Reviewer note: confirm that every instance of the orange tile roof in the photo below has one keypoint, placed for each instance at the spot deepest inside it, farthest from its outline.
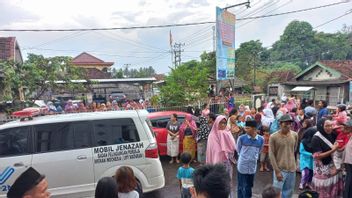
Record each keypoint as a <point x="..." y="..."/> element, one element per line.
<point x="88" y="59"/>
<point x="7" y="48"/>
<point x="342" y="66"/>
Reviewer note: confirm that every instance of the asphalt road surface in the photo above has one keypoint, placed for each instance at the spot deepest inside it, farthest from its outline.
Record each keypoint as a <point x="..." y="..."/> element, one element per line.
<point x="171" y="189"/>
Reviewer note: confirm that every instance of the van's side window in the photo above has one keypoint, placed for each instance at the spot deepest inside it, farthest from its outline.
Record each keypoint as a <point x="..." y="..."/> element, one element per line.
<point x="83" y="134"/>
<point x="14" y="141"/>
<point x="115" y="131"/>
<point x="54" y="137"/>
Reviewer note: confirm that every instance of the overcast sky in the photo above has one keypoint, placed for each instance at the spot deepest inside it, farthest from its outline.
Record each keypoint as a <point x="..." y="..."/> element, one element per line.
<point x="150" y="47"/>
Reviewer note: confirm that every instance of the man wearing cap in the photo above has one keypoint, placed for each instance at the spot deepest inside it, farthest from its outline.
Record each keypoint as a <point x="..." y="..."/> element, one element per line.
<point x="30" y="184"/>
<point x="249" y="146"/>
<point x="282" y="145"/>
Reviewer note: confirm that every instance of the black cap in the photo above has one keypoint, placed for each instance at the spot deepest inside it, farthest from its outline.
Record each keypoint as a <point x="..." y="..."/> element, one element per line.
<point x="251" y="123"/>
<point x="286" y="118"/>
<point x="25" y="182"/>
<point x="309" y="194"/>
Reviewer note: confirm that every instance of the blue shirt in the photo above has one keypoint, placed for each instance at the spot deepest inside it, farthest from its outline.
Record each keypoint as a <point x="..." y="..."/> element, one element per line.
<point x="248" y="149"/>
<point x="306" y="158"/>
<point x="185" y="175"/>
<point x="323" y="113"/>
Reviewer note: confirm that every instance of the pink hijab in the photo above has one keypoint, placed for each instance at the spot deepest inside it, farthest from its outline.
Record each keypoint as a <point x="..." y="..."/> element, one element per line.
<point x="221" y="144"/>
<point x="290" y="105"/>
<point x="192" y="125"/>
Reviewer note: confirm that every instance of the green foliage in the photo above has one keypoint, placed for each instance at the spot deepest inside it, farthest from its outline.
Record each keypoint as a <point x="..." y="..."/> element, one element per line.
<point x="116" y="73"/>
<point x="248" y="55"/>
<point x="208" y="60"/>
<point x="154" y="100"/>
<point x="185" y="85"/>
<point x="142" y="72"/>
<point x="39" y="74"/>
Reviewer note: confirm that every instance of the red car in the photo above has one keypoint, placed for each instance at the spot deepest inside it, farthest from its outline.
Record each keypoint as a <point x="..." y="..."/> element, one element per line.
<point x="159" y="121"/>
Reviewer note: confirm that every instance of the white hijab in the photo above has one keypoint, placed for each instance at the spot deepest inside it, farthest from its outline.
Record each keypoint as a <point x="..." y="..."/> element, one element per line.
<point x="268" y="117"/>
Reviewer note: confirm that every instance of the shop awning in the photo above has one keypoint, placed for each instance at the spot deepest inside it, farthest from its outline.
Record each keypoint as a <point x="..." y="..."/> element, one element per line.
<point x="298" y="88"/>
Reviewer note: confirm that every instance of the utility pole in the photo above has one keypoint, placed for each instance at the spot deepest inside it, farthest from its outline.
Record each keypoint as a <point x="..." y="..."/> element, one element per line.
<point x="126" y="70"/>
<point x="177" y="53"/>
<point x="214" y="39"/>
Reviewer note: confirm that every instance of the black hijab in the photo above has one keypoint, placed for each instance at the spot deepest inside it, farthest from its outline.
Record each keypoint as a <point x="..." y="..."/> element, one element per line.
<point x="307" y="138"/>
<point x="318" y="145"/>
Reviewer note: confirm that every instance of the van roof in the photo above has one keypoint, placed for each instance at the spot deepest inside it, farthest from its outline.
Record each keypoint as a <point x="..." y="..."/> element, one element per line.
<point x="70" y="117"/>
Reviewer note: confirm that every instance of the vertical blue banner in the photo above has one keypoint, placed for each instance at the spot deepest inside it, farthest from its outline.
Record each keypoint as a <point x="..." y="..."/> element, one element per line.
<point x="225" y="44"/>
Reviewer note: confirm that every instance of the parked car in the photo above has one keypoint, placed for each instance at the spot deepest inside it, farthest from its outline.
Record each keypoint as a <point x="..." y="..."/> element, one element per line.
<point x="38" y="107"/>
<point x="74" y="152"/>
<point x="118" y="96"/>
<point x="159" y="121"/>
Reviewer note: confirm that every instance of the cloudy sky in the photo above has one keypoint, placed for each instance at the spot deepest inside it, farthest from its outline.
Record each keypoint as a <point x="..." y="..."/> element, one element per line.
<point x="150" y="47"/>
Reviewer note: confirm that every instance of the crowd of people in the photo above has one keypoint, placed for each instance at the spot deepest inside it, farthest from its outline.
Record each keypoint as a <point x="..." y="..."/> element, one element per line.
<point x="284" y="137"/>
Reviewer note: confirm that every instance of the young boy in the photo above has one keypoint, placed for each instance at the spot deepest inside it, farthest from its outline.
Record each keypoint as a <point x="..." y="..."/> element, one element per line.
<point x="264" y="155"/>
<point x="211" y="181"/>
<point x="249" y="144"/>
<point x="184" y="175"/>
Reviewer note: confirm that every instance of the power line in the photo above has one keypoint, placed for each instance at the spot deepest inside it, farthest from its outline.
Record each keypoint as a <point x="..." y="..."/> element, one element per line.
<point x="283" y="5"/>
<point x="334" y="19"/>
<point x="295" y="11"/>
<point x="167" y="25"/>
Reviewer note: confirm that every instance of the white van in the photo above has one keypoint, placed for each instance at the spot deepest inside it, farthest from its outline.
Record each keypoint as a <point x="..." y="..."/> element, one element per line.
<point x="75" y="150"/>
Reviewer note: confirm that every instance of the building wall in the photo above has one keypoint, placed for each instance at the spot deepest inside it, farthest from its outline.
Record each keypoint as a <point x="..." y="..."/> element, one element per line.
<point x="318" y="74"/>
<point x="99" y="67"/>
<point x="321" y="93"/>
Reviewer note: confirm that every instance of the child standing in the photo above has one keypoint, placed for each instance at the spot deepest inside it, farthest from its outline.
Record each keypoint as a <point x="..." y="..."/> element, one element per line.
<point x="306" y="161"/>
<point x="264" y="155"/>
<point x="184" y="175"/>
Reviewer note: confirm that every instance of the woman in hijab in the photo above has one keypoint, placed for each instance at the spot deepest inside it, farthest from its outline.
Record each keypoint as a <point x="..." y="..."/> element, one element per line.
<point x="202" y="138"/>
<point x="327" y="181"/>
<point x="221" y="145"/>
<point x="267" y="118"/>
<point x="188" y="131"/>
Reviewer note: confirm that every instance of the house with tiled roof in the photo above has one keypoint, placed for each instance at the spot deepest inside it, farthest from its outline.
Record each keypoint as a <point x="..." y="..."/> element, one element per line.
<point x="9" y="51"/>
<point x="101" y="83"/>
<point x="329" y="80"/>
<point x="95" y="67"/>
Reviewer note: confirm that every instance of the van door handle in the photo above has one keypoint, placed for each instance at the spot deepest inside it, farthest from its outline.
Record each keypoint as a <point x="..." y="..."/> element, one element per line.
<point x="82" y="157"/>
<point x="19" y="164"/>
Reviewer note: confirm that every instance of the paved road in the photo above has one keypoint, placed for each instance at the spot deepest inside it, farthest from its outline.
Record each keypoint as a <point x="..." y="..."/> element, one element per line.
<point x="171" y="189"/>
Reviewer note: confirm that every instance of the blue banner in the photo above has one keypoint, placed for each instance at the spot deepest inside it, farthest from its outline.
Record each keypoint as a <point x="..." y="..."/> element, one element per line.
<point x="225" y="44"/>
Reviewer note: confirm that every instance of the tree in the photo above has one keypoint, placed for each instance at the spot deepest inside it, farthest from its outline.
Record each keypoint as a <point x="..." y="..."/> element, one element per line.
<point x="248" y="55"/>
<point x="116" y="73"/>
<point x="297" y="44"/>
<point x="39" y="75"/>
<point x="208" y="60"/>
<point x="185" y="85"/>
